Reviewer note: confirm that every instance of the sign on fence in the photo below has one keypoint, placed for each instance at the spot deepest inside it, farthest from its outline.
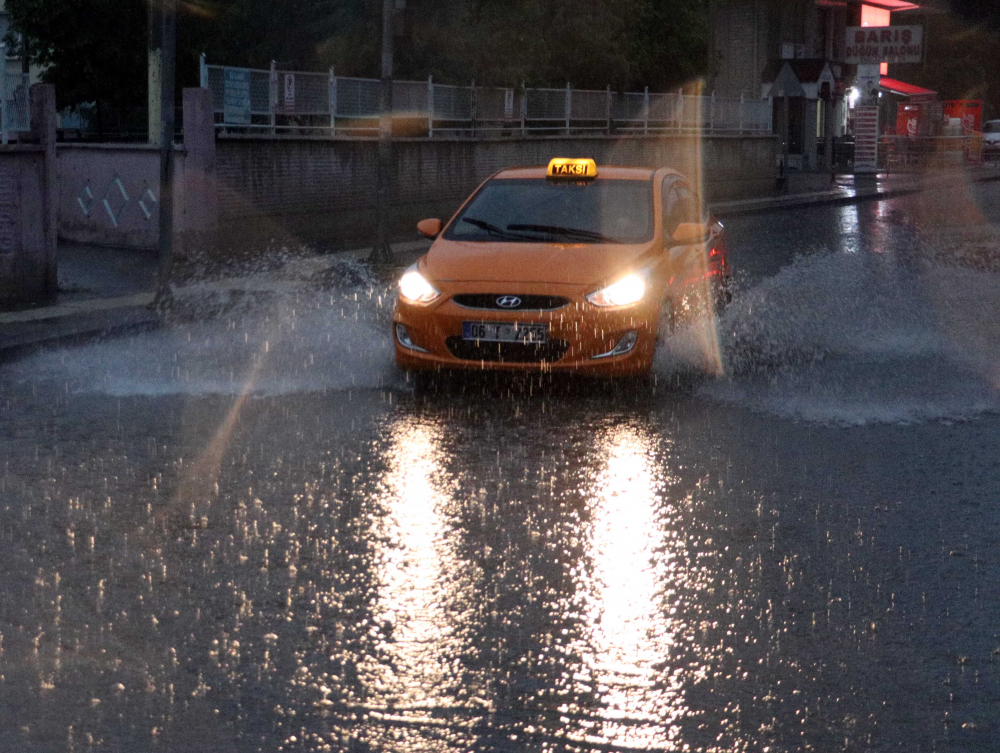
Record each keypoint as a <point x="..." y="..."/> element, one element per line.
<point x="236" y="96"/>
<point x="289" y="92"/>
<point x="508" y="103"/>
<point x="884" y="44"/>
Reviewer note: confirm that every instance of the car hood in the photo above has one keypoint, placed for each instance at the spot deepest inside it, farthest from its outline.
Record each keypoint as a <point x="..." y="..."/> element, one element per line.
<point x="568" y="263"/>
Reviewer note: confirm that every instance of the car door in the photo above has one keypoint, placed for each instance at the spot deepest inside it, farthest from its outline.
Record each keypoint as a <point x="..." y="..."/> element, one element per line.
<point x="682" y="205"/>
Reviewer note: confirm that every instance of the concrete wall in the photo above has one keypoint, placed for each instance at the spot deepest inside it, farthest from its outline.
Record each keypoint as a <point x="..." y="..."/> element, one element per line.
<point x="27" y="208"/>
<point x="108" y="193"/>
<point x="23" y="262"/>
<point x="236" y="195"/>
<point x="323" y="190"/>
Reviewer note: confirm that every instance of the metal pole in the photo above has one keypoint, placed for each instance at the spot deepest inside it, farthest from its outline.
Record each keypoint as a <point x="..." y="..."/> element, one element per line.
<point x="608" y="111"/>
<point x="5" y="111"/>
<point x="472" y="108"/>
<point x="203" y="71"/>
<point x="524" y="109"/>
<point x="430" y="107"/>
<point x="167" y="99"/>
<point x="381" y="251"/>
<point x="645" y="111"/>
<point x="272" y="95"/>
<point x="333" y="102"/>
<point x="154" y="72"/>
<point x="569" y="106"/>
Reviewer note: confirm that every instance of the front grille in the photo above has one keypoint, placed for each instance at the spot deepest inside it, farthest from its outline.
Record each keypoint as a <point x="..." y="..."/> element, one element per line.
<point x="477" y="350"/>
<point x="528" y="302"/>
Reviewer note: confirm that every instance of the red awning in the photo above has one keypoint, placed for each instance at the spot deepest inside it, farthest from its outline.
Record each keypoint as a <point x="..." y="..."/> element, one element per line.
<point x="915" y="93"/>
<point x="893" y="4"/>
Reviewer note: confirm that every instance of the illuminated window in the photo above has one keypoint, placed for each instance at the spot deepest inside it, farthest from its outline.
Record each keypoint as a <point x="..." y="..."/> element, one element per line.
<point x="872" y="16"/>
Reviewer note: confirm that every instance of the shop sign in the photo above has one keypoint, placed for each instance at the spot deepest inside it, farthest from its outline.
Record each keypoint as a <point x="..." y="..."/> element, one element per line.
<point x="865" y="120"/>
<point x="884" y="44"/>
<point x="867" y="83"/>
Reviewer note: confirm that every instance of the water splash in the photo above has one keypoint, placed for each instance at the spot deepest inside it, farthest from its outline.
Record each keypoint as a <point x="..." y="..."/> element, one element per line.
<point x="854" y="339"/>
<point x="291" y="342"/>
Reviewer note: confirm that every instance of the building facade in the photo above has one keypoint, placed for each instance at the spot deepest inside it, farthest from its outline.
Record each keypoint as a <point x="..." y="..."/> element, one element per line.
<point x="793" y="52"/>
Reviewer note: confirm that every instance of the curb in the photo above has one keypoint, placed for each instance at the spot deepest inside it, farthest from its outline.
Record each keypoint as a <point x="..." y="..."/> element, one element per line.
<point x="78" y="329"/>
<point x="777" y="204"/>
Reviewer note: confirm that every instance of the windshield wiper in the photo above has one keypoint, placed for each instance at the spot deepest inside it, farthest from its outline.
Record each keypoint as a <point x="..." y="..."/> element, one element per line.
<point x="498" y="231"/>
<point x="569" y="232"/>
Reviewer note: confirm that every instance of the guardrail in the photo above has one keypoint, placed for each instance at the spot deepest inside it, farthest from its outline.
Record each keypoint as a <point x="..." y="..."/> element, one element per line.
<point x="274" y="101"/>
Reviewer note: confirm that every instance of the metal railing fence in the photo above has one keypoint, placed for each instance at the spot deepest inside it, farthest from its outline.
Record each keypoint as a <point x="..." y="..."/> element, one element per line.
<point x="274" y="101"/>
<point x="15" y="107"/>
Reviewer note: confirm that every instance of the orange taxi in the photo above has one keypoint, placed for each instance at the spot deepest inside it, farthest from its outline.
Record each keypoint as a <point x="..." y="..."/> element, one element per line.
<point x="571" y="267"/>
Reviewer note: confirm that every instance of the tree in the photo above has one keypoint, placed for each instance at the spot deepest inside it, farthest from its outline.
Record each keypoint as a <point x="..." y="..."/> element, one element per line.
<point x="591" y="43"/>
<point x="88" y="48"/>
<point x="962" y="57"/>
<point x="95" y="50"/>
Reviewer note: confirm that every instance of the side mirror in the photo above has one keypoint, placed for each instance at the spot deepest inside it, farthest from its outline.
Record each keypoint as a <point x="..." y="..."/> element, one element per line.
<point x="429" y="228"/>
<point x="688" y="234"/>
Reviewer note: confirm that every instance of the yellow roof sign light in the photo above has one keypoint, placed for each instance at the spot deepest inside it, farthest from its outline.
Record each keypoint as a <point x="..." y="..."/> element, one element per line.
<point x="568" y="167"/>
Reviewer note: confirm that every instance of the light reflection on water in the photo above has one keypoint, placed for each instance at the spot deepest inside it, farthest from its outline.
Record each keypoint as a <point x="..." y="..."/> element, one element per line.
<point x="408" y="681"/>
<point x="447" y="576"/>
<point x="615" y="673"/>
<point x="630" y="632"/>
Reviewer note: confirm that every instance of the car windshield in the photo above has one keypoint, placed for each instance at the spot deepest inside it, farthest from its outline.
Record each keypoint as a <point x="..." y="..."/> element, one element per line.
<point x="542" y="211"/>
<point x="992" y="126"/>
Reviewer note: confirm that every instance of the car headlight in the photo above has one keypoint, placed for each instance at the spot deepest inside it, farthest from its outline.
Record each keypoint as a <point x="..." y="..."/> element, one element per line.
<point x="414" y="288"/>
<point x="629" y="289"/>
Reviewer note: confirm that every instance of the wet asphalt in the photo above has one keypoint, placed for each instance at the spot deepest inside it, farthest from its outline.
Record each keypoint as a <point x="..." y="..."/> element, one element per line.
<point x="252" y="534"/>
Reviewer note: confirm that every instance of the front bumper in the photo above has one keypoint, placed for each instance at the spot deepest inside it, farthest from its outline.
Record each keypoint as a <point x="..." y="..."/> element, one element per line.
<point x="580" y="335"/>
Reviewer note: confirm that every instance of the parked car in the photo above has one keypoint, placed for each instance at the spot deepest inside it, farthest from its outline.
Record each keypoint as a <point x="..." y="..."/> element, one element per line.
<point x="991" y="139"/>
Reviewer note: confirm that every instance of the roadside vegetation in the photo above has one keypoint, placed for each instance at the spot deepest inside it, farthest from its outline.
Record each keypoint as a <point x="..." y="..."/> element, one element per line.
<point x="95" y="50"/>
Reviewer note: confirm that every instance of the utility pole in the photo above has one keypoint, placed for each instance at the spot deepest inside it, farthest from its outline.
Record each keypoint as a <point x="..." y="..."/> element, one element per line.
<point x="381" y="252"/>
<point x="154" y="13"/>
<point x="168" y="56"/>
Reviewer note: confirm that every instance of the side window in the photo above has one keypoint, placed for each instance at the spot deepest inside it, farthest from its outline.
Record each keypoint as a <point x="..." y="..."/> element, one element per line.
<point x="680" y="204"/>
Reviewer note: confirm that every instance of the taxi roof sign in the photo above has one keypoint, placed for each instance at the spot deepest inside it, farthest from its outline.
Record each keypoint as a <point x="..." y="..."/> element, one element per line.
<point x="573" y="168"/>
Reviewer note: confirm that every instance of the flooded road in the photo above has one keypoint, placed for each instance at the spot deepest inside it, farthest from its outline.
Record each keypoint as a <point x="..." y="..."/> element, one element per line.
<point x="252" y="534"/>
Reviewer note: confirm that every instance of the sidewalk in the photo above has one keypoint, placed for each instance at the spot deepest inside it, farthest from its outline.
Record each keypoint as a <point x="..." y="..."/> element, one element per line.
<point x="106" y="292"/>
<point x="101" y="292"/>
<point x="804" y="189"/>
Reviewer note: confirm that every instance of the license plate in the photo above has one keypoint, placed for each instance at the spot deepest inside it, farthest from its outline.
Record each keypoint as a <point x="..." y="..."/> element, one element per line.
<point x="505" y="332"/>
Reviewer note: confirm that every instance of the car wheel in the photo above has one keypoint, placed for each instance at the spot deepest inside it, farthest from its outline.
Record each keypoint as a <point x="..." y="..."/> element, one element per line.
<point x="668" y="319"/>
<point x="723" y="294"/>
<point x="422" y="381"/>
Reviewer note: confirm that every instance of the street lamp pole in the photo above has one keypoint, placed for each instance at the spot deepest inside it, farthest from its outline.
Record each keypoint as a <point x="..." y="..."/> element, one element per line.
<point x="168" y="58"/>
<point x="381" y="252"/>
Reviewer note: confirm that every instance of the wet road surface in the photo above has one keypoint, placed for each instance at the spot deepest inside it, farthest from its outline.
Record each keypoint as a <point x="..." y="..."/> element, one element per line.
<point x="252" y="534"/>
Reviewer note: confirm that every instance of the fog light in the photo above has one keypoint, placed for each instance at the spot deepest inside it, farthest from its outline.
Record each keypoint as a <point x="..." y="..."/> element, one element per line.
<point x="404" y="339"/>
<point x="625" y="343"/>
